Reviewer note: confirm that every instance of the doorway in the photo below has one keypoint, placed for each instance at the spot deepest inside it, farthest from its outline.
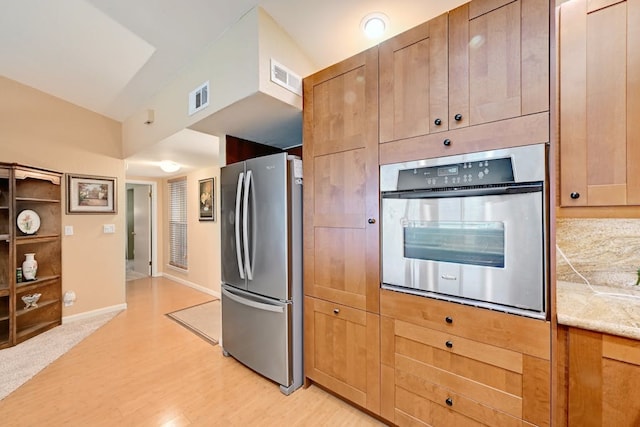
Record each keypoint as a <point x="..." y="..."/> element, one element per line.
<point x="140" y="250"/>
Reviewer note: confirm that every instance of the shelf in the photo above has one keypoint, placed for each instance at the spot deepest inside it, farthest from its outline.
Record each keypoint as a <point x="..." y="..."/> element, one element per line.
<point x="35" y="284"/>
<point x="24" y="334"/>
<point x="36" y="238"/>
<point x="29" y="188"/>
<point x="36" y="199"/>
<point x="41" y="304"/>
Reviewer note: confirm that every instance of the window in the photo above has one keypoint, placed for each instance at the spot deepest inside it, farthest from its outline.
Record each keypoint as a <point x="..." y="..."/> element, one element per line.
<point x="178" y="223"/>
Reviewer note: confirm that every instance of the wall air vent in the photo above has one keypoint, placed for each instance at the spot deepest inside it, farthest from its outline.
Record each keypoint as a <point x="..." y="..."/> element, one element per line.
<point x="199" y="98"/>
<point x="284" y="77"/>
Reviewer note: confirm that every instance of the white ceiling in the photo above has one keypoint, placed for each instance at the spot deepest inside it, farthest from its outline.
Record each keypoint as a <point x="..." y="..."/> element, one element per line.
<point x="112" y="56"/>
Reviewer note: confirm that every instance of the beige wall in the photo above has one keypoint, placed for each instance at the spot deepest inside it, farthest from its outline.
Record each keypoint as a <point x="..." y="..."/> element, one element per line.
<point x="40" y="130"/>
<point x="203" y="238"/>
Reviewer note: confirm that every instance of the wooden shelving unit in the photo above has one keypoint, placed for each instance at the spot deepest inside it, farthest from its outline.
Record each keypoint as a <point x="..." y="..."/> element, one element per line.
<point x="23" y="187"/>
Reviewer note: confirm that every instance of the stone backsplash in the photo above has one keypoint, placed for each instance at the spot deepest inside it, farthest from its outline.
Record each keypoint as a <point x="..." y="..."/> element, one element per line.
<point x="605" y="251"/>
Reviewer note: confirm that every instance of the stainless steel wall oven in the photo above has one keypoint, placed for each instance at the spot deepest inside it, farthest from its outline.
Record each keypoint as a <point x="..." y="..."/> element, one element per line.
<point x="470" y="228"/>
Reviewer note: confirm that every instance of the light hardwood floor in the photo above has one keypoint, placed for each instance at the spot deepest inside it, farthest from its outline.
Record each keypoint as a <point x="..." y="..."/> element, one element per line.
<point x="144" y="369"/>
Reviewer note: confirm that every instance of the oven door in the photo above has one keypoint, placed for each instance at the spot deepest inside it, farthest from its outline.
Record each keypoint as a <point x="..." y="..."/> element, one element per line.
<point x="486" y="246"/>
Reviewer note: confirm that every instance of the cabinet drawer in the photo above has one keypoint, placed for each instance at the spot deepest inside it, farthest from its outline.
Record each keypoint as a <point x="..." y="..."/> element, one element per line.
<point x="512" y="332"/>
<point x="525" y="130"/>
<point x="622" y="349"/>
<point x="418" y="367"/>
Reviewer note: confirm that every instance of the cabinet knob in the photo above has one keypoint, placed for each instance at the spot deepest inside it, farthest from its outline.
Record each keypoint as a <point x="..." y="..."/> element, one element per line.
<point x="371" y="220"/>
<point x="437" y="122"/>
<point x="449" y="401"/>
<point x="458" y="117"/>
<point x="449" y="344"/>
<point x="575" y="195"/>
<point x="448" y="319"/>
<point x="447" y="142"/>
<point x="336" y="310"/>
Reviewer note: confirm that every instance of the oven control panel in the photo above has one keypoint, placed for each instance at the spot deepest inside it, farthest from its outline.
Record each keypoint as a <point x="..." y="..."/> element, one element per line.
<point x="481" y="172"/>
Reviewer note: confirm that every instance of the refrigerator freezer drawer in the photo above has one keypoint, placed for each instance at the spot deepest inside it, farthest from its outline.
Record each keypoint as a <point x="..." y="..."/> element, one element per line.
<point x="255" y="331"/>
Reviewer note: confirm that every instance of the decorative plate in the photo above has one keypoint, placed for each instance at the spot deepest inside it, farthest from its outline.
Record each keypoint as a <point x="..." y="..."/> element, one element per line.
<point x="28" y="221"/>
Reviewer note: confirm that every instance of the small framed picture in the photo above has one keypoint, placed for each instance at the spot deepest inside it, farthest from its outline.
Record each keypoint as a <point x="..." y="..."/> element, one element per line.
<point x="87" y="194"/>
<point x="207" y="209"/>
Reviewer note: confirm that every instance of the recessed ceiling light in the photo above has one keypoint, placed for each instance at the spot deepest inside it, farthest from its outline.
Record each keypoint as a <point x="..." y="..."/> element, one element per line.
<point x="169" y="166"/>
<point x="374" y="24"/>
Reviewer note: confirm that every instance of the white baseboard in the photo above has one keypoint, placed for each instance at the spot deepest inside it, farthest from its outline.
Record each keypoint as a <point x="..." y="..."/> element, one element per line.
<point x="193" y="285"/>
<point x="94" y="313"/>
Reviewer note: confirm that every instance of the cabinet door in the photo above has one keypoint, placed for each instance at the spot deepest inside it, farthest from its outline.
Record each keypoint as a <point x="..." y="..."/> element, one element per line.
<point x="498" y="60"/>
<point x="413" y="82"/>
<point x="341" y="262"/>
<point x="599" y="103"/>
<point x="342" y="351"/>
<point x="604" y="376"/>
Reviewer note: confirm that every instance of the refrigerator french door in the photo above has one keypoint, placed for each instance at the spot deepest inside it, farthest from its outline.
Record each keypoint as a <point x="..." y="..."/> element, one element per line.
<point x="261" y="234"/>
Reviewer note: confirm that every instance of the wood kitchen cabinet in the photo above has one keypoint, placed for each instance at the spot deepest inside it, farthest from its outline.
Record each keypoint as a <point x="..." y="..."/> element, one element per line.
<point x="449" y="364"/>
<point x="342" y="351"/>
<point x="599" y="58"/>
<point x="483" y="62"/>
<point x="341" y="236"/>
<point x="602" y="379"/>
<point x="24" y="188"/>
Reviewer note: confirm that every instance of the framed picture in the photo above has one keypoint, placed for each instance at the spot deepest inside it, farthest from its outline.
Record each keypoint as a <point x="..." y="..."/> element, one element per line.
<point x="88" y="194"/>
<point x="207" y="209"/>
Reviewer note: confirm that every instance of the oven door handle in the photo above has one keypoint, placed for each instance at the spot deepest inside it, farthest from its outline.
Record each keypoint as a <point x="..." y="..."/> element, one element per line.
<point x="464" y="192"/>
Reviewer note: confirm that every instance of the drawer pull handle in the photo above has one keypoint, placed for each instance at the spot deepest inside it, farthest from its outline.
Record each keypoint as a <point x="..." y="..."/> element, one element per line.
<point x="447" y="142"/>
<point x="437" y="122"/>
<point x="448" y="319"/>
<point x="449" y="344"/>
<point x="457" y="117"/>
<point x="336" y="310"/>
<point x="449" y="401"/>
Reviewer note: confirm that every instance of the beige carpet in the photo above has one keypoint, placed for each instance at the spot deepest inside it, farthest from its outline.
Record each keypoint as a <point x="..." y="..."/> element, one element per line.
<point x="21" y="362"/>
<point x="202" y="319"/>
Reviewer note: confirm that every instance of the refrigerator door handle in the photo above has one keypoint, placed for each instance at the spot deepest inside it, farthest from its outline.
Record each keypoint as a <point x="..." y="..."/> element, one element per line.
<point x="245" y="225"/>
<point x="253" y="304"/>
<point x="237" y="224"/>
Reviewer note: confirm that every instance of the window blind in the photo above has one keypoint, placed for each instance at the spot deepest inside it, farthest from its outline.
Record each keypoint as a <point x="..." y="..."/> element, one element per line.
<point x="178" y="223"/>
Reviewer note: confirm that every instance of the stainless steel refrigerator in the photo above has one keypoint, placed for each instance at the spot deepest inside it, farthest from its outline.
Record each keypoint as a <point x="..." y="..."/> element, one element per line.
<point x="261" y="221"/>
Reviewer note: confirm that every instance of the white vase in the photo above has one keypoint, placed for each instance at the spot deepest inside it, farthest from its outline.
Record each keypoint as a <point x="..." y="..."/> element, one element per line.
<point x="29" y="267"/>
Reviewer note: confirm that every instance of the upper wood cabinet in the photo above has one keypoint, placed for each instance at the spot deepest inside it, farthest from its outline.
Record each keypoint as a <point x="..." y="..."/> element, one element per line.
<point x="599" y="57"/>
<point x="482" y="62"/>
<point x="414" y="82"/>
<point x="341" y="262"/>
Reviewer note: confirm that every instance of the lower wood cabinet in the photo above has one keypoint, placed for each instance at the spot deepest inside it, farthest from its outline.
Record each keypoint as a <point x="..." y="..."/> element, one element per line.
<point x="446" y="364"/>
<point x="602" y="379"/>
<point x="342" y="351"/>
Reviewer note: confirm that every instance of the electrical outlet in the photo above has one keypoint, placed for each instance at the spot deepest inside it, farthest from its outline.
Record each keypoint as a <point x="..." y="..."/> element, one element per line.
<point x="68" y="230"/>
<point x="109" y="228"/>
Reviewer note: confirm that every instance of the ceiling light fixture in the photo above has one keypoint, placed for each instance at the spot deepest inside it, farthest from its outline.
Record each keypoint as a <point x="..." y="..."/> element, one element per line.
<point x="169" y="166"/>
<point x="374" y="24"/>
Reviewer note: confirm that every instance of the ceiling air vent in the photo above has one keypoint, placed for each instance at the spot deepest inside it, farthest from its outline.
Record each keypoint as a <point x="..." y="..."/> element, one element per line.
<point x="199" y="98"/>
<point x="284" y="77"/>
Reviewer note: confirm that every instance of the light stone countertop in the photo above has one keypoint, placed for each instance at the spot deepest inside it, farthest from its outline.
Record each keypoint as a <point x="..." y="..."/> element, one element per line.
<point x="592" y="309"/>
